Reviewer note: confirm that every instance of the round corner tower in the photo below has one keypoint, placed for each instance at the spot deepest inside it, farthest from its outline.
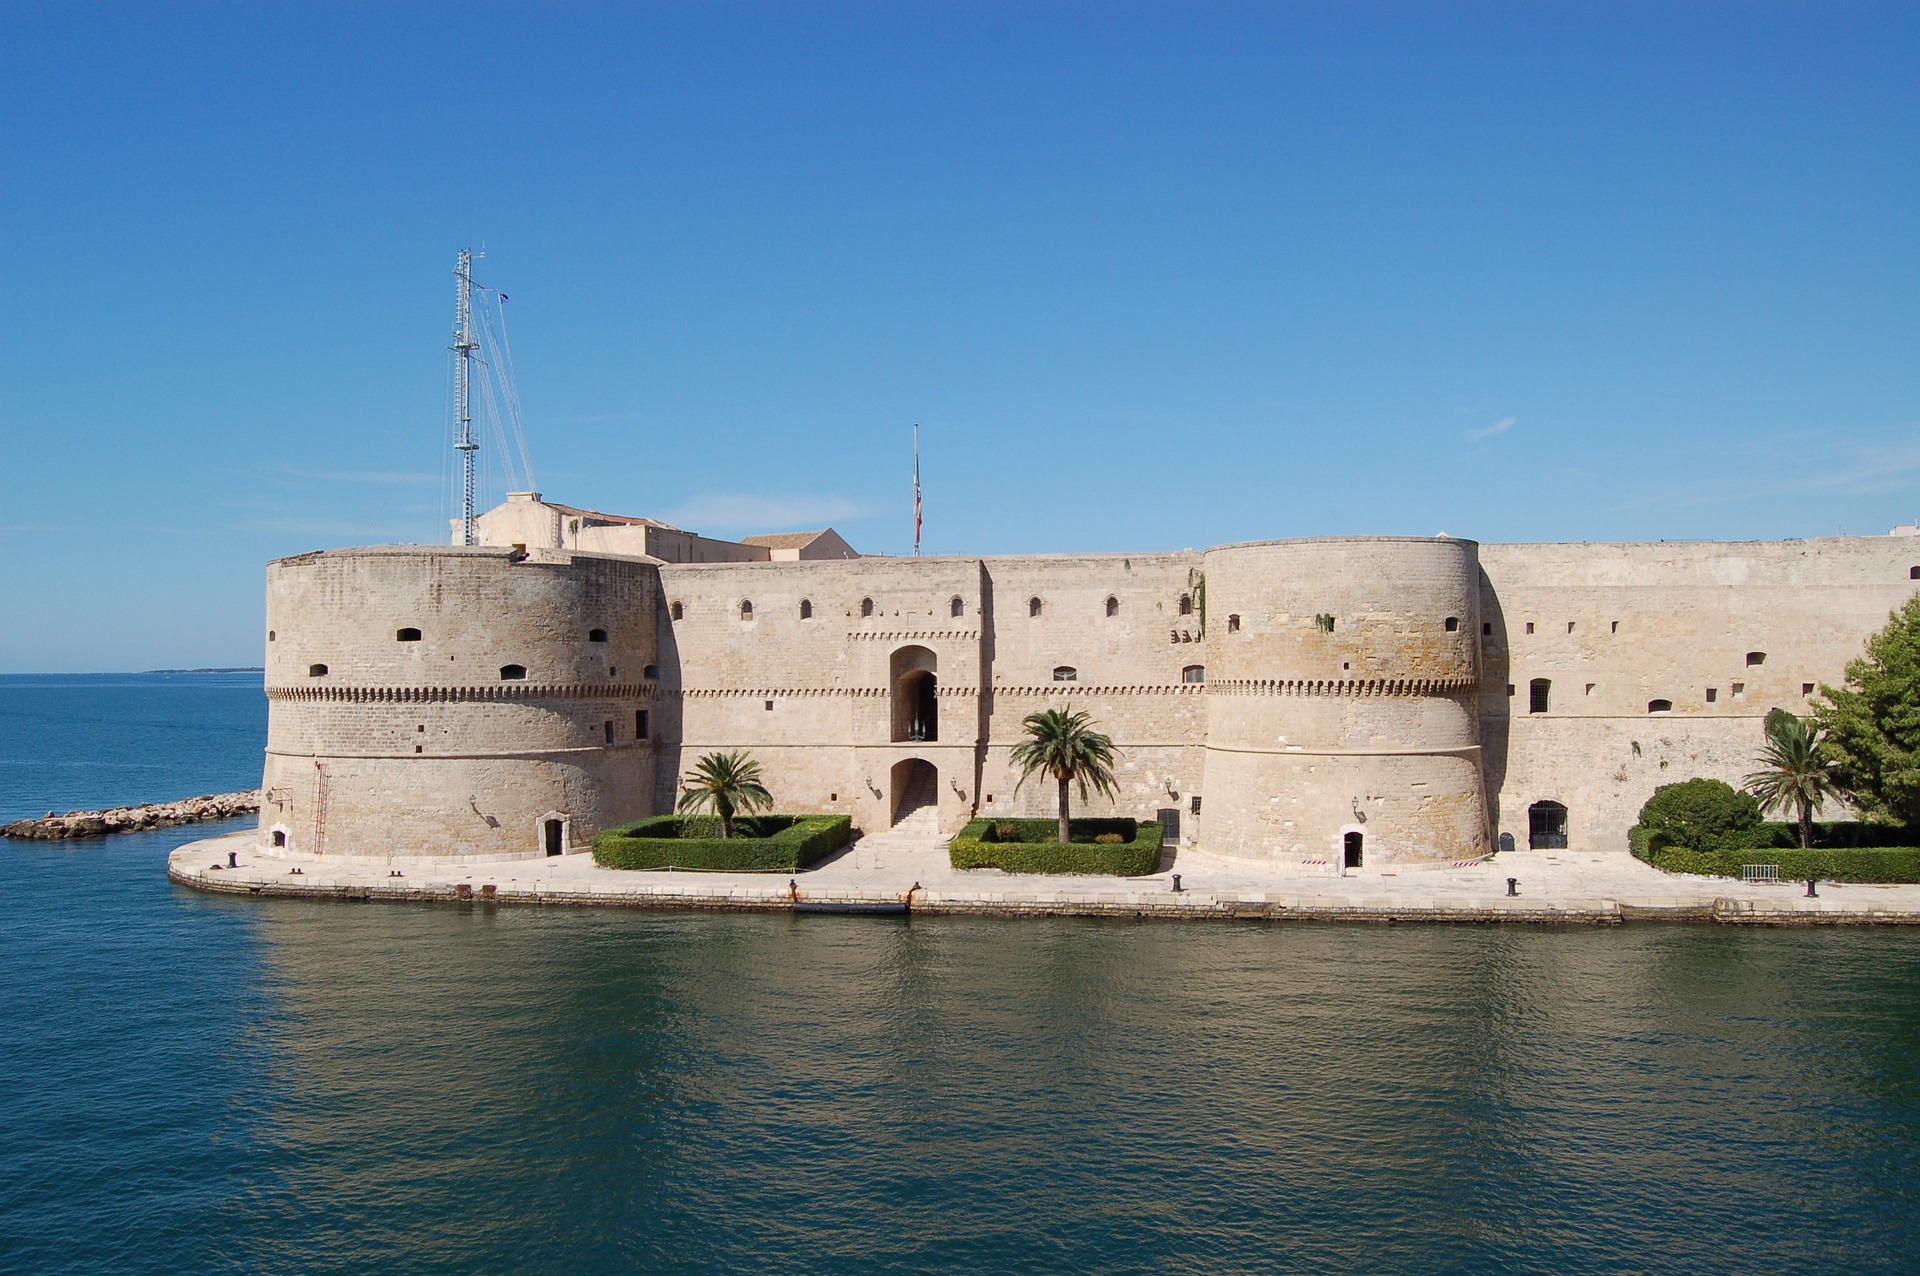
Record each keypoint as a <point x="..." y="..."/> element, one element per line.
<point x="456" y="702"/>
<point x="1342" y="676"/>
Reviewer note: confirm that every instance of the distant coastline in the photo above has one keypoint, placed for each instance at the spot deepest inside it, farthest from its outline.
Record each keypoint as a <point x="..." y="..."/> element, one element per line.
<point x="239" y="669"/>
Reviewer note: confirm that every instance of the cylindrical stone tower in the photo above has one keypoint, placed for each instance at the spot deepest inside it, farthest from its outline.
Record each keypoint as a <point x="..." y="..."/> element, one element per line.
<point x="456" y="702"/>
<point x="1341" y="681"/>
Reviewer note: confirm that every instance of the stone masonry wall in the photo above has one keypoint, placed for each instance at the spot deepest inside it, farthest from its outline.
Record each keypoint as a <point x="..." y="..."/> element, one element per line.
<point x="1723" y="631"/>
<point x="1408" y="722"/>
<point x="394" y="728"/>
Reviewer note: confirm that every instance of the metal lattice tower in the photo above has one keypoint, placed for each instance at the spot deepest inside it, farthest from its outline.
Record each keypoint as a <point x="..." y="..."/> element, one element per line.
<point x="463" y="347"/>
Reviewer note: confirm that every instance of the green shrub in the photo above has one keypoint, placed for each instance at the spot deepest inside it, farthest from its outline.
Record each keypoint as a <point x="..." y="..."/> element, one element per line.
<point x="1845" y="864"/>
<point x="1028" y="846"/>
<point x="1839" y="833"/>
<point x="762" y="843"/>
<point x="1708" y="815"/>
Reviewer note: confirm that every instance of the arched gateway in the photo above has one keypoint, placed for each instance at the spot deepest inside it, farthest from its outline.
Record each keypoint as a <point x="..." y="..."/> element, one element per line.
<point x="914" y="792"/>
<point x="916" y="716"/>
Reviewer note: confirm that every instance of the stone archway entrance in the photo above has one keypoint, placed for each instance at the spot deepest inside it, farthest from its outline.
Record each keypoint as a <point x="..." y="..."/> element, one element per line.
<point x="916" y="712"/>
<point x="914" y="794"/>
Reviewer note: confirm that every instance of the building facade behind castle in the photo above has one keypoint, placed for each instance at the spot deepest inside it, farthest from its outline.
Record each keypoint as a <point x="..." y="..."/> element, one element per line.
<point x="1306" y="703"/>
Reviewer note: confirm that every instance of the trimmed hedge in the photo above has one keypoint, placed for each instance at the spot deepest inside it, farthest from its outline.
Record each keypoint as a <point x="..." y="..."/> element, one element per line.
<point x="1028" y="846"/>
<point x="1841" y="864"/>
<point x="1774" y="835"/>
<point x="760" y="843"/>
<point x="1836" y="834"/>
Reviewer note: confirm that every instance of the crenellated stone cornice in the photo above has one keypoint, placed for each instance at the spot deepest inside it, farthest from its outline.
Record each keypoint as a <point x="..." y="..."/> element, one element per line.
<point x="476" y="693"/>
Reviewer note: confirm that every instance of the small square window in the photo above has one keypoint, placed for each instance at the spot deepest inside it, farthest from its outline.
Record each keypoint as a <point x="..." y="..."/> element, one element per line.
<point x="1509" y="688"/>
<point x="1739" y="688"/>
<point x="1591" y="686"/>
<point x="1806" y="688"/>
<point x="769" y="706"/>
<point x="1529" y="626"/>
<point x="1193" y="804"/>
<point x="1486" y="629"/>
<point x="1569" y="626"/>
<point x="1713" y="694"/>
<point x="1615" y="629"/>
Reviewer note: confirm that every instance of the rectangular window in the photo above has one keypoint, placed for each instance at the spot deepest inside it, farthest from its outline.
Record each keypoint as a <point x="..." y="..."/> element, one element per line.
<point x="1713" y="694"/>
<point x="1486" y="629"/>
<point x="1569" y="626"/>
<point x="639" y="724"/>
<point x="1193" y="804"/>
<point x="609" y="731"/>
<point x="1529" y="626"/>
<point x="1739" y="688"/>
<point x="1616" y="627"/>
<point x="1806" y="688"/>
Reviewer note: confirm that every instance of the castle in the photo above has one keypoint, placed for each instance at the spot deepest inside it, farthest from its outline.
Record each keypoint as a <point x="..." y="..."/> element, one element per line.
<point x="1321" y="704"/>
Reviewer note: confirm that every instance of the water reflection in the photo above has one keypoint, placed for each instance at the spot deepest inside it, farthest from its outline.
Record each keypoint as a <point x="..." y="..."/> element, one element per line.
<point x="518" y="1087"/>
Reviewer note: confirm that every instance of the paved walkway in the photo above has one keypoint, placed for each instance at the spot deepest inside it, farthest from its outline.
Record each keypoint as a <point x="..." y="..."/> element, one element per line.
<point x="909" y="865"/>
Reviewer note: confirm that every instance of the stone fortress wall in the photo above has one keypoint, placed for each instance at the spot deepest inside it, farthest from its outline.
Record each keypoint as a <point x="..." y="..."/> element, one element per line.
<point x="1341" y="682"/>
<point x="455" y="702"/>
<point x="1720" y="631"/>
<point x="1365" y="694"/>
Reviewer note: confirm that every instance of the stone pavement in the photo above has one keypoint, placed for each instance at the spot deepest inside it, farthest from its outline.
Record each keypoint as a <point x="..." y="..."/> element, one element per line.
<point x="909" y="865"/>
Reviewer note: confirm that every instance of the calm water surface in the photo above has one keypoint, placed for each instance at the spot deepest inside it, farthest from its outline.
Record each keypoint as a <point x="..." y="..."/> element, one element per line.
<point x="213" y="1084"/>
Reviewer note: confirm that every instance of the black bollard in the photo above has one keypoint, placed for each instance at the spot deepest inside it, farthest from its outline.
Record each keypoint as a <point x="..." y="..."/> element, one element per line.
<point x="1812" y="892"/>
<point x="1176" y="883"/>
<point x="1513" y="886"/>
<point x="233" y="859"/>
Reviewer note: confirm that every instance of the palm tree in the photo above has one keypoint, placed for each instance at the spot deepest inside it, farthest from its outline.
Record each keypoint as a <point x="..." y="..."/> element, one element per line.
<point x="727" y="782"/>
<point x="1795" y="775"/>
<point x="1059" y="743"/>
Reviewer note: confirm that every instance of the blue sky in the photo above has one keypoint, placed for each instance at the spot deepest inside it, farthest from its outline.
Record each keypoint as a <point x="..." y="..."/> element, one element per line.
<point x="1149" y="276"/>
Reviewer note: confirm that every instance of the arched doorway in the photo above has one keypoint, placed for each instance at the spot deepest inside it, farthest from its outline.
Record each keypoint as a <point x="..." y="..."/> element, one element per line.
<point x="914" y="792"/>
<point x="916" y="712"/>
<point x="1354" y="850"/>
<point x="553" y="832"/>
<point x="1546" y="826"/>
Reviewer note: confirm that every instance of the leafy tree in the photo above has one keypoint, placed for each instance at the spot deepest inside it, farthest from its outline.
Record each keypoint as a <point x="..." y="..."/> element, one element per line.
<point x="1794" y="773"/>
<point x="727" y="782"/>
<point x="1872" y="724"/>
<point x="1062" y="744"/>
<point x="1702" y="815"/>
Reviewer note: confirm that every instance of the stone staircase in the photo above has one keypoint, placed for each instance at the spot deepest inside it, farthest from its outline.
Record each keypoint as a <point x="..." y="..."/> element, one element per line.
<point x="914" y="842"/>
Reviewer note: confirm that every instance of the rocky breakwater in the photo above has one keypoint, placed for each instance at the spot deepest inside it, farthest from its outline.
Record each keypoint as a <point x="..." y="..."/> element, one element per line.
<point x="131" y="819"/>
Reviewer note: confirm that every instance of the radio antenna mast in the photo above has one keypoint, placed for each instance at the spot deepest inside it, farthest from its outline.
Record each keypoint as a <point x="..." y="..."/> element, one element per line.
<point x="463" y="347"/>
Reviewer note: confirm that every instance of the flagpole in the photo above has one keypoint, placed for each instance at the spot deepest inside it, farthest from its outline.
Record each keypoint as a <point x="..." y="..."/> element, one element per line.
<point x="916" y="490"/>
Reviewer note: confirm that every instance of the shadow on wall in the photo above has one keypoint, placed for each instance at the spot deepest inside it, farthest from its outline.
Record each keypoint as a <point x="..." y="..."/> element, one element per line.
<point x="1496" y="723"/>
<point x="983" y="701"/>
<point x="666" y="727"/>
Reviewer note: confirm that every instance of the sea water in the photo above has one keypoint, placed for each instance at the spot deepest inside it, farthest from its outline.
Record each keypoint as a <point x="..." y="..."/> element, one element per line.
<point x="202" y="1083"/>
